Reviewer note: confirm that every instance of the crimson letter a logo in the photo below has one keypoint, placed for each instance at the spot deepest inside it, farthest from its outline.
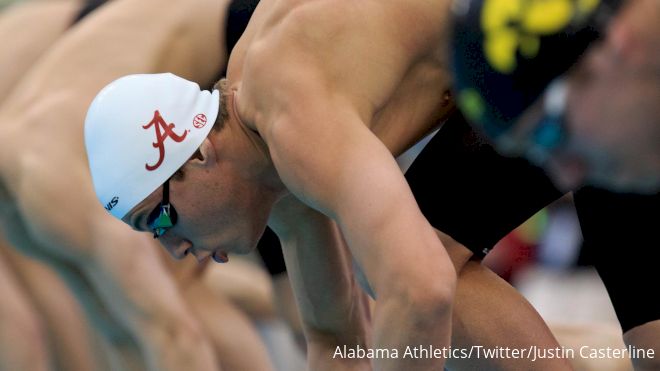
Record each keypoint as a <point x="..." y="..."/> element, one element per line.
<point x="163" y="131"/>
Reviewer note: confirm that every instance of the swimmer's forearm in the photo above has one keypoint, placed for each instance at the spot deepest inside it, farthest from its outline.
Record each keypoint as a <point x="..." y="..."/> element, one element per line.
<point x="403" y="324"/>
<point x="333" y="309"/>
<point x="412" y="279"/>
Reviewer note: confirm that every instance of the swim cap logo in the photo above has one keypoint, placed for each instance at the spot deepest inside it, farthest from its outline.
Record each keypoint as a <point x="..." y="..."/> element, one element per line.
<point x="199" y="121"/>
<point x="512" y="26"/>
<point x="113" y="202"/>
<point x="163" y="131"/>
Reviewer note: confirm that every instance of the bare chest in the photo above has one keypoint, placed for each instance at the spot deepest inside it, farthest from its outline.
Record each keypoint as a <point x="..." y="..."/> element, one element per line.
<point x="417" y="106"/>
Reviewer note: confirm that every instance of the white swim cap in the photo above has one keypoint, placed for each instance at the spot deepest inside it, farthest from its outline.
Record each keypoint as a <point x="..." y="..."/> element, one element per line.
<point x="139" y="130"/>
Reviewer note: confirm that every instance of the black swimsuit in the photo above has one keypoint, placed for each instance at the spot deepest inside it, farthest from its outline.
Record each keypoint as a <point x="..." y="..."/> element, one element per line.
<point x="481" y="196"/>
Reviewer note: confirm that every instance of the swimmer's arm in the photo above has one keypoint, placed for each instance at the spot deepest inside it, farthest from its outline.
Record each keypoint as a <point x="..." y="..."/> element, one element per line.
<point x="127" y="270"/>
<point x="350" y="176"/>
<point x="313" y="108"/>
<point x="333" y="309"/>
<point x="120" y="265"/>
<point x="330" y="160"/>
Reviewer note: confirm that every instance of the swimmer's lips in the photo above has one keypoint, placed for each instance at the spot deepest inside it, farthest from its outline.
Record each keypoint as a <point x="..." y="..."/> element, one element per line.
<point x="220" y="257"/>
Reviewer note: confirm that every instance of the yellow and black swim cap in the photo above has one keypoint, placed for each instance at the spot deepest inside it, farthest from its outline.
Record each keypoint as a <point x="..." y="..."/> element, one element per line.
<point x="506" y="52"/>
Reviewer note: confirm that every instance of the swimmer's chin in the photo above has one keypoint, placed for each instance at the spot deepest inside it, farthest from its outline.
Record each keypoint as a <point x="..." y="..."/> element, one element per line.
<point x="240" y="247"/>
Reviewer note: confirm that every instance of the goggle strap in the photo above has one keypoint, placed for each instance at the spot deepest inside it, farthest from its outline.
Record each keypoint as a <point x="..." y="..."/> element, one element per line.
<point x="166" y="192"/>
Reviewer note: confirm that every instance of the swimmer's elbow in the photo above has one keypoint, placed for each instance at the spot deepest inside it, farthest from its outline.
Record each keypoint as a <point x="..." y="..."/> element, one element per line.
<point x="424" y="298"/>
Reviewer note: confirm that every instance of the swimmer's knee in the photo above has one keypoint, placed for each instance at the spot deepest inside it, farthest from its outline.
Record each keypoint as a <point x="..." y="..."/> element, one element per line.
<point x="458" y="253"/>
<point x="645" y="338"/>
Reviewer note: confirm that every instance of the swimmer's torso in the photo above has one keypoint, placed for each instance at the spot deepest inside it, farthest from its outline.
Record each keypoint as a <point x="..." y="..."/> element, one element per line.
<point x="403" y="68"/>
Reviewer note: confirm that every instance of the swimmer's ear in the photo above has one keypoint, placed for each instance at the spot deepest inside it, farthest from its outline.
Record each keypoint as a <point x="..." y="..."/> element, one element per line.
<point x="205" y="155"/>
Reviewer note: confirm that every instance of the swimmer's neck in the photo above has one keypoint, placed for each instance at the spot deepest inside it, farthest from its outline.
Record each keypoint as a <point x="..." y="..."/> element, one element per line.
<point x="255" y="156"/>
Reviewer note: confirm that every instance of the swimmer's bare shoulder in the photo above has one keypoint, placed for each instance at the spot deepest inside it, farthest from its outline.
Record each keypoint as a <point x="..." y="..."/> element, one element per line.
<point x="325" y="44"/>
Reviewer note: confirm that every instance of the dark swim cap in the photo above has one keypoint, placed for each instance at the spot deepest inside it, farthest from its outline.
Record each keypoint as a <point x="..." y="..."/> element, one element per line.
<point x="506" y="52"/>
